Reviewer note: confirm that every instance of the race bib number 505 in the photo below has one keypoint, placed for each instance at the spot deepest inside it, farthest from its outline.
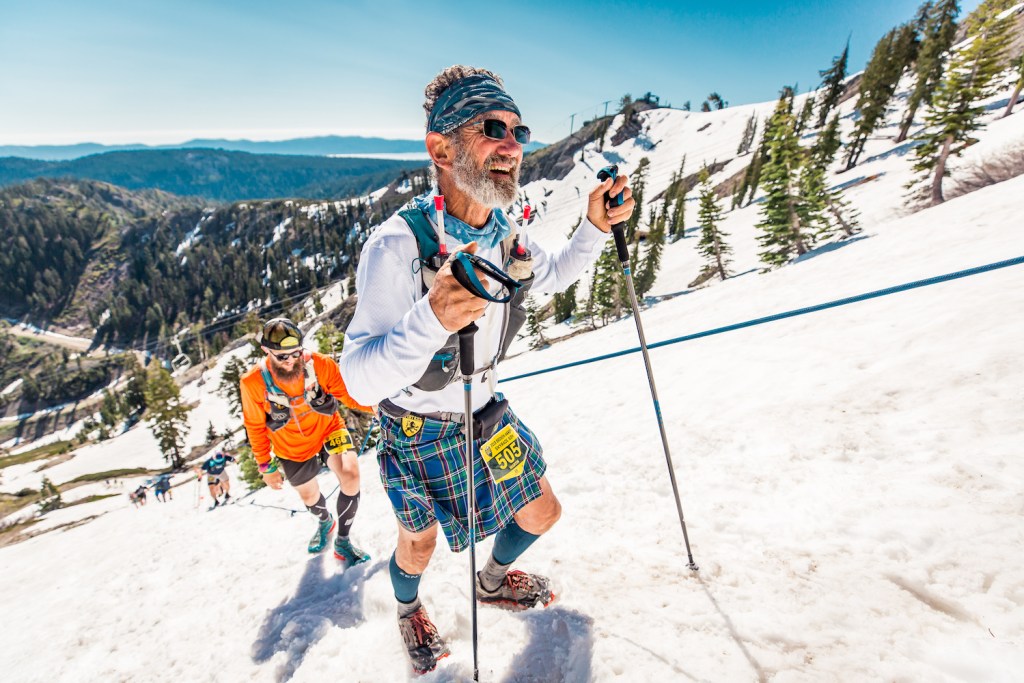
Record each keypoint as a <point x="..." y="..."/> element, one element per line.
<point x="338" y="442"/>
<point x="503" y="455"/>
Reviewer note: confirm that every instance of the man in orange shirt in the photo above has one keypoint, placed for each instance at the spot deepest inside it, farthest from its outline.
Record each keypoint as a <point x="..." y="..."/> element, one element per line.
<point x="290" y="403"/>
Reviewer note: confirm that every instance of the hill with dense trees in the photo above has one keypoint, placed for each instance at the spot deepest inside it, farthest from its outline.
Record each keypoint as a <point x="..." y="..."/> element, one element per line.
<point x="217" y="175"/>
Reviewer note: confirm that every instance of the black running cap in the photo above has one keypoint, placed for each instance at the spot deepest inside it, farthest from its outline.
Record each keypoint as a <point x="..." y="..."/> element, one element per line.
<point x="281" y="334"/>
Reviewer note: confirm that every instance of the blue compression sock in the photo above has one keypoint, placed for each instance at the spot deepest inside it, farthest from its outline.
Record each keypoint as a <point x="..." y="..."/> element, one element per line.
<point x="407" y="586"/>
<point x="511" y="542"/>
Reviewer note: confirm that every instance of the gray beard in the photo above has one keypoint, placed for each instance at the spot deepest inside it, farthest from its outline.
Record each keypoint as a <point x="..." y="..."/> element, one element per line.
<point x="477" y="183"/>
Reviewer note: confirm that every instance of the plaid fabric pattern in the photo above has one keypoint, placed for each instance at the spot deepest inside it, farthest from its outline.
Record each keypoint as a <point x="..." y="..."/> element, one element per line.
<point x="426" y="480"/>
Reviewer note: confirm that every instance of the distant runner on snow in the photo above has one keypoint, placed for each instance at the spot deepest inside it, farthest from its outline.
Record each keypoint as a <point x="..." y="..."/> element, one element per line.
<point x="217" y="477"/>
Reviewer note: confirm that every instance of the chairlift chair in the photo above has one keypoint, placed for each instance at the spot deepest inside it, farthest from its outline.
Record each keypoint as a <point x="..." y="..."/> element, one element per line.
<point x="181" y="362"/>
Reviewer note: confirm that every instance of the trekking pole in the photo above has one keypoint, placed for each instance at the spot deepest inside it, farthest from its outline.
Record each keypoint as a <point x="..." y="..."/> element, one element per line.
<point x="463" y="266"/>
<point x="442" y="247"/>
<point x="466" y="363"/>
<point x="618" y="230"/>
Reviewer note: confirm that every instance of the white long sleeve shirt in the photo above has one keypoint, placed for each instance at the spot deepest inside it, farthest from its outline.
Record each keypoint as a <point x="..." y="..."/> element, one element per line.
<point x="395" y="333"/>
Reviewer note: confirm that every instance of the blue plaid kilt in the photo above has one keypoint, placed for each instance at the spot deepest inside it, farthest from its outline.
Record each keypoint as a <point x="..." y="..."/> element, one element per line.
<point x="426" y="481"/>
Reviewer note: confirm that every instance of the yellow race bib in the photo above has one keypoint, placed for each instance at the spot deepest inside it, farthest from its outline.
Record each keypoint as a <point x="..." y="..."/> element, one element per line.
<point x="338" y="442"/>
<point x="503" y="455"/>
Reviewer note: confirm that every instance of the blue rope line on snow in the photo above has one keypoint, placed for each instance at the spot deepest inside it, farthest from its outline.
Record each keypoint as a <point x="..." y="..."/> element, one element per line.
<point x="788" y="314"/>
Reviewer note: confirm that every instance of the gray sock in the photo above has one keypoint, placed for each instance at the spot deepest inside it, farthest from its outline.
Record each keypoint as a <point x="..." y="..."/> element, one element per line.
<point x="407" y="608"/>
<point x="493" y="574"/>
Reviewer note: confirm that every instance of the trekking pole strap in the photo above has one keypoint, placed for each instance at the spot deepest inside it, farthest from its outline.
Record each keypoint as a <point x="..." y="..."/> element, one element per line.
<point x="463" y="268"/>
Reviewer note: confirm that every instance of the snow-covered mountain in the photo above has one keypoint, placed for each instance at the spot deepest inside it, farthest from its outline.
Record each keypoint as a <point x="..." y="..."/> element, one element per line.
<point x="851" y="480"/>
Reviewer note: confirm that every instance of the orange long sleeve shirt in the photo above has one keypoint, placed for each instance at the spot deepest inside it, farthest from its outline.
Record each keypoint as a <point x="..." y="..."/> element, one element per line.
<point x="304" y="435"/>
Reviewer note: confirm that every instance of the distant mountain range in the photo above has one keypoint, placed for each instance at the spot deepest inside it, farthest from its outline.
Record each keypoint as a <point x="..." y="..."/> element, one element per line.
<point x="218" y="175"/>
<point x="325" y="145"/>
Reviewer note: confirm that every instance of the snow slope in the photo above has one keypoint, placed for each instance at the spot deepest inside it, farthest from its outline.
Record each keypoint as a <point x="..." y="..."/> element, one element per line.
<point x="852" y="481"/>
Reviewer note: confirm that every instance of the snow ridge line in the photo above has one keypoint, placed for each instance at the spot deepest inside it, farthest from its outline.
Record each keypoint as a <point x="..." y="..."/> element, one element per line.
<point x="787" y="314"/>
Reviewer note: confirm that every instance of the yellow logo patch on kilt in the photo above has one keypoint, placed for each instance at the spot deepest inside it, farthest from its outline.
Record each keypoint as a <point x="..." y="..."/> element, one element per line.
<point x="338" y="441"/>
<point x="411" y="425"/>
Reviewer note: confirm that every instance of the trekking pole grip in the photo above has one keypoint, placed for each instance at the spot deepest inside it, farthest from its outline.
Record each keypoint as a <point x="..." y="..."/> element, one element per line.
<point x="619" y="232"/>
<point x="619" y="229"/>
<point x="466" y="353"/>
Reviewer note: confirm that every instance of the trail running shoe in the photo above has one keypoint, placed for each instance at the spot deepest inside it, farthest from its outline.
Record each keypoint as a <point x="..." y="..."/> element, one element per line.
<point x="323" y="531"/>
<point x="346" y="552"/>
<point x="422" y="641"/>
<point x="518" y="591"/>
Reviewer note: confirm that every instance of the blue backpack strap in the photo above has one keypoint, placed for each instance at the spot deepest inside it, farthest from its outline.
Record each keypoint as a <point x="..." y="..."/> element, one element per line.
<point x="426" y="236"/>
<point x="268" y="380"/>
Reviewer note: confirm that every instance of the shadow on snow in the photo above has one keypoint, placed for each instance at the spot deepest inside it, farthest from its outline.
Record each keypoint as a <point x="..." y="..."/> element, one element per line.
<point x="303" y="619"/>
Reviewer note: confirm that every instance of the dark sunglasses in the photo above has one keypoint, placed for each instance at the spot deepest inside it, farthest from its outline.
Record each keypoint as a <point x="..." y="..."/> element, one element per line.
<point x="287" y="356"/>
<point x="497" y="130"/>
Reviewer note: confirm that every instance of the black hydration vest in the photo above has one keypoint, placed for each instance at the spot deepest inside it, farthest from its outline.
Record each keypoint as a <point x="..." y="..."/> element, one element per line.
<point x="280" y="403"/>
<point x="444" y="366"/>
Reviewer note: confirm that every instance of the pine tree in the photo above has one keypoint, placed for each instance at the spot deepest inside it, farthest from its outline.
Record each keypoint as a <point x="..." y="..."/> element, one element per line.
<point x="110" y="412"/>
<point x="135" y="388"/>
<point x="565" y="303"/>
<point x="953" y="119"/>
<point x="329" y="340"/>
<point x="211" y="433"/>
<point x="833" y="84"/>
<point x="49" y="496"/>
<point x="678" y="223"/>
<point x="826" y="210"/>
<point x="638" y="182"/>
<point x="676" y="194"/>
<point x="937" y="38"/>
<point x="783" y="233"/>
<point x="805" y="116"/>
<point x="230" y="387"/>
<point x="587" y="306"/>
<point x="534" y="325"/>
<point x="604" y="286"/>
<point x="891" y="56"/>
<point x="1018" y="64"/>
<point x="248" y="470"/>
<point x="749" y="132"/>
<point x="647" y="271"/>
<point x="318" y="302"/>
<point x="168" y="415"/>
<point x="712" y="244"/>
<point x="752" y="176"/>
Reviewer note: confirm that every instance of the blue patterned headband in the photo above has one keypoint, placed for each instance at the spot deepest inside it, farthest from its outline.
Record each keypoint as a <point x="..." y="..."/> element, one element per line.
<point x="464" y="99"/>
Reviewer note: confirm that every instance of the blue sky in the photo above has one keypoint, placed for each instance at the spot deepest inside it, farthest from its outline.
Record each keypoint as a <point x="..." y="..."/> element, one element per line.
<point x="118" y="71"/>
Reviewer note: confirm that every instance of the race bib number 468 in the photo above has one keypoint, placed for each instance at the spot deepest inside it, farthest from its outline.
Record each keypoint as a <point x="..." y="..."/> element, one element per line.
<point x="338" y="441"/>
<point x="503" y="455"/>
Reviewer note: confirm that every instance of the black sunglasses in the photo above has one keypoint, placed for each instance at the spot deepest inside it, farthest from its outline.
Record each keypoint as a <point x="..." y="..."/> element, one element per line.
<point x="287" y="356"/>
<point x="497" y="130"/>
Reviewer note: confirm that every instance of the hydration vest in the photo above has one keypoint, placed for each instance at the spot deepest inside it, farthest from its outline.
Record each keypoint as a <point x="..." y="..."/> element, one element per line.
<point x="444" y="366"/>
<point x="280" y="403"/>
